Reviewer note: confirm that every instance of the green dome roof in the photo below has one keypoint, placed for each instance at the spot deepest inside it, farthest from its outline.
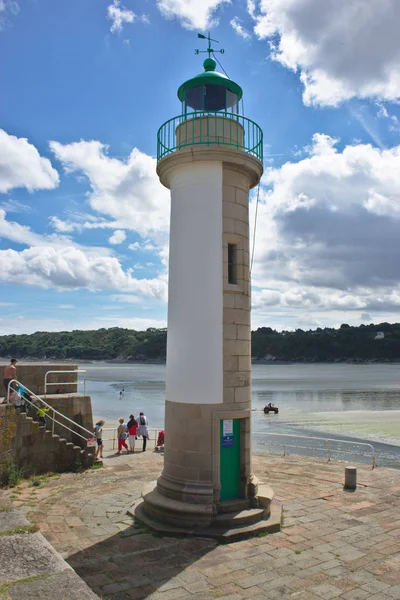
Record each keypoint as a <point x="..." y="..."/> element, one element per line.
<point x="210" y="76"/>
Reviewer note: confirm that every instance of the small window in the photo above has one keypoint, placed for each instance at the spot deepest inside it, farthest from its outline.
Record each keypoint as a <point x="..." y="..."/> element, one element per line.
<point x="232" y="263"/>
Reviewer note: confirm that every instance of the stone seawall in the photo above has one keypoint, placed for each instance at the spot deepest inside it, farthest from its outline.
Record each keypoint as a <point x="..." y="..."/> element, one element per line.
<point x="32" y="375"/>
<point x="36" y="450"/>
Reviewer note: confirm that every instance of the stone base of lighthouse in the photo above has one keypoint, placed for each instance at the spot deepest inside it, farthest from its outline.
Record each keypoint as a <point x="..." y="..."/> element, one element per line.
<point x="186" y="497"/>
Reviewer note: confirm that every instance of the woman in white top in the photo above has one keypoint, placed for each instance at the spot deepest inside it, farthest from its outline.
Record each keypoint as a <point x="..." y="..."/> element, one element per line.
<point x="143" y="429"/>
<point x="16" y="399"/>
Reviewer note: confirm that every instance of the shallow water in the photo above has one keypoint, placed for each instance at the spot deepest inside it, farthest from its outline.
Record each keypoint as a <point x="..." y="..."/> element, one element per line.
<point x="353" y="402"/>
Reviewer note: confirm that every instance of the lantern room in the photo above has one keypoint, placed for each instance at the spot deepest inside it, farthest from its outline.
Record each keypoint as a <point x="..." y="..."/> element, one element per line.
<point x="210" y="91"/>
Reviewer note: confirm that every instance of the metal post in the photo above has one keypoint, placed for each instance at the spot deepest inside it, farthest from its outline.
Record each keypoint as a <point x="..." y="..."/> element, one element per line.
<point x="350" y="478"/>
<point x="84" y="383"/>
<point x="329" y="450"/>
<point x="52" y="424"/>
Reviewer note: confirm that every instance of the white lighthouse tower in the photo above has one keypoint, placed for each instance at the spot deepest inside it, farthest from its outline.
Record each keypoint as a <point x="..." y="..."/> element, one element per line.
<point x="209" y="156"/>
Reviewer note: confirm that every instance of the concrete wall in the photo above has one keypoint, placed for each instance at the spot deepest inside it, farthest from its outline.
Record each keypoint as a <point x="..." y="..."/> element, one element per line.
<point x="32" y="375"/>
<point x="78" y="408"/>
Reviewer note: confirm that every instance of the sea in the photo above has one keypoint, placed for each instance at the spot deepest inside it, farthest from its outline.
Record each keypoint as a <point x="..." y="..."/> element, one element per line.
<point x="354" y="404"/>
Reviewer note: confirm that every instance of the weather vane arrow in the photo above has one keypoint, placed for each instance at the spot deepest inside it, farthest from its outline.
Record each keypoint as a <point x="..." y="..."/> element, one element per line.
<point x="210" y="50"/>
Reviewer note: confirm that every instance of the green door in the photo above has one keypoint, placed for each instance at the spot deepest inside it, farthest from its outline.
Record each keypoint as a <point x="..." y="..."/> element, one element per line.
<point x="230" y="459"/>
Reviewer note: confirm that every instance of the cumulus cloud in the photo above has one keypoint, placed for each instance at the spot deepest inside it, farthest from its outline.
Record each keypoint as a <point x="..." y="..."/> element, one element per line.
<point x="117" y="237"/>
<point x="72" y="268"/>
<point x="328" y="230"/>
<point x="193" y="14"/>
<point x="341" y="48"/>
<point x="22" y="166"/>
<point x="128" y="192"/>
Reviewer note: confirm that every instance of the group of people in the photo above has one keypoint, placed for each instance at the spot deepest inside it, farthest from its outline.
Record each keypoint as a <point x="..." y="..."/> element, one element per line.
<point x="17" y="395"/>
<point x="125" y="431"/>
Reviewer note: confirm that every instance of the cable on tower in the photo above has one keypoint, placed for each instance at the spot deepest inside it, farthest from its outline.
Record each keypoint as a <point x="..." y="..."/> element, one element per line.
<point x="255" y="228"/>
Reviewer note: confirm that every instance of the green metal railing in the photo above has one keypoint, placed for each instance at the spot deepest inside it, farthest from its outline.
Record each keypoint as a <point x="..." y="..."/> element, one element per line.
<point x="205" y="128"/>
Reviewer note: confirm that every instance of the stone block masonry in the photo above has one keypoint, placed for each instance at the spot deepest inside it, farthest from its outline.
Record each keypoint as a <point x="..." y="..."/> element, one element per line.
<point x="34" y="449"/>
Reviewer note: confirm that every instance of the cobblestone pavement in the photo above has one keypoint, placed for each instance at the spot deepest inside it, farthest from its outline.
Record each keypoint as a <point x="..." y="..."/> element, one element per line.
<point x="333" y="544"/>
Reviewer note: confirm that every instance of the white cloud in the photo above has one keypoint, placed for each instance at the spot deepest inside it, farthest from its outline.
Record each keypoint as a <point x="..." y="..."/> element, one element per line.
<point x="119" y="15"/>
<point x="383" y="113"/>
<point x="66" y="306"/>
<point x="117" y="237"/>
<point x="193" y="14"/>
<point x="13" y="206"/>
<point x="341" y="48"/>
<point x="22" y="234"/>
<point x="22" y="166"/>
<point x="238" y="28"/>
<point x="126" y="298"/>
<point x="70" y="267"/>
<point x="143" y="247"/>
<point x="128" y="192"/>
<point x="7" y="8"/>
<point x="328" y="230"/>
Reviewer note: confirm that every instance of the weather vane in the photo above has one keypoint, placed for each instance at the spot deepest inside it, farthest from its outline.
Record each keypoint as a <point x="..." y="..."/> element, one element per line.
<point x="210" y="50"/>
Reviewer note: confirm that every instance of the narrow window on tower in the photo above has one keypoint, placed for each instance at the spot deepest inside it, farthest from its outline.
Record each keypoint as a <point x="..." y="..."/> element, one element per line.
<point x="232" y="263"/>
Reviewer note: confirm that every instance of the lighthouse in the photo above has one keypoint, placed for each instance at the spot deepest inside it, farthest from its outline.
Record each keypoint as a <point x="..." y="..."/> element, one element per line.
<point x="209" y="156"/>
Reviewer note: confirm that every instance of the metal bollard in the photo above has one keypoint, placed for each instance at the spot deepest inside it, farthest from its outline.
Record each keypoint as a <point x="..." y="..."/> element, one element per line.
<point x="350" y="478"/>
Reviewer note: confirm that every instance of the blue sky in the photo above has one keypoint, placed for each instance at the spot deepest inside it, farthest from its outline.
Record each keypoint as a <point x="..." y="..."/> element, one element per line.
<point x="85" y="84"/>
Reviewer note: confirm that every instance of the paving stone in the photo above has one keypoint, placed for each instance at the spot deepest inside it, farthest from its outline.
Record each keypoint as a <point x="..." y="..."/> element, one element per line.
<point x="345" y="540"/>
<point x="373" y="587"/>
<point x="357" y="594"/>
<point x="326" y="591"/>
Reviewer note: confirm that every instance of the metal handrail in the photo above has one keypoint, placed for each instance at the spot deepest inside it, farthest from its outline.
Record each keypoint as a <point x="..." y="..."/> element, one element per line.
<point x="327" y="440"/>
<point x="252" y="133"/>
<point x="77" y="382"/>
<point x="54" y="411"/>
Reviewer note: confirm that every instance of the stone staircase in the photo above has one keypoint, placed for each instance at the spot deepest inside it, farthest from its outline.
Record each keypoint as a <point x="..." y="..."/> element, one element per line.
<point x="38" y="451"/>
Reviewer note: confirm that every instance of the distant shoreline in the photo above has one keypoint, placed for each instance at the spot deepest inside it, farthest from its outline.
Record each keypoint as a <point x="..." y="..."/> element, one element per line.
<point x="155" y="361"/>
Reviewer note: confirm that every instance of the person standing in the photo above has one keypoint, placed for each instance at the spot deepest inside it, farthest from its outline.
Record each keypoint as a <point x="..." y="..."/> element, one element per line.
<point x="122" y="433"/>
<point x="98" y="432"/>
<point x="132" y="428"/>
<point x="143" y="429"/>
<point x="10" y="373"/>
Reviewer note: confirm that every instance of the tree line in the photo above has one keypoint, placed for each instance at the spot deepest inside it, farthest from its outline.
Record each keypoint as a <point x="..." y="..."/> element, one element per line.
<point x="364" y="343"/>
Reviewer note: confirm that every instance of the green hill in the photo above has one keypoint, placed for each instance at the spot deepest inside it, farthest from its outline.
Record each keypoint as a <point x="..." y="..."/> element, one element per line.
<point x="321" y="345"/>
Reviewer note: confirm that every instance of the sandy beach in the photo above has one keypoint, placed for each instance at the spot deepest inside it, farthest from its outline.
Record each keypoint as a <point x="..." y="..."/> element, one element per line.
<point x="375" y="426"/>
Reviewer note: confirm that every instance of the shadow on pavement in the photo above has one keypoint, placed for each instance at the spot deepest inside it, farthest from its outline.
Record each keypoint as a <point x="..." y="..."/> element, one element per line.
<point x="138" y="562"/>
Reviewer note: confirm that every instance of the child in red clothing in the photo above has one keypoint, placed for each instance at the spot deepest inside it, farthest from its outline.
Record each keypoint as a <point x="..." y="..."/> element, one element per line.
<point x="122" y="433"/>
